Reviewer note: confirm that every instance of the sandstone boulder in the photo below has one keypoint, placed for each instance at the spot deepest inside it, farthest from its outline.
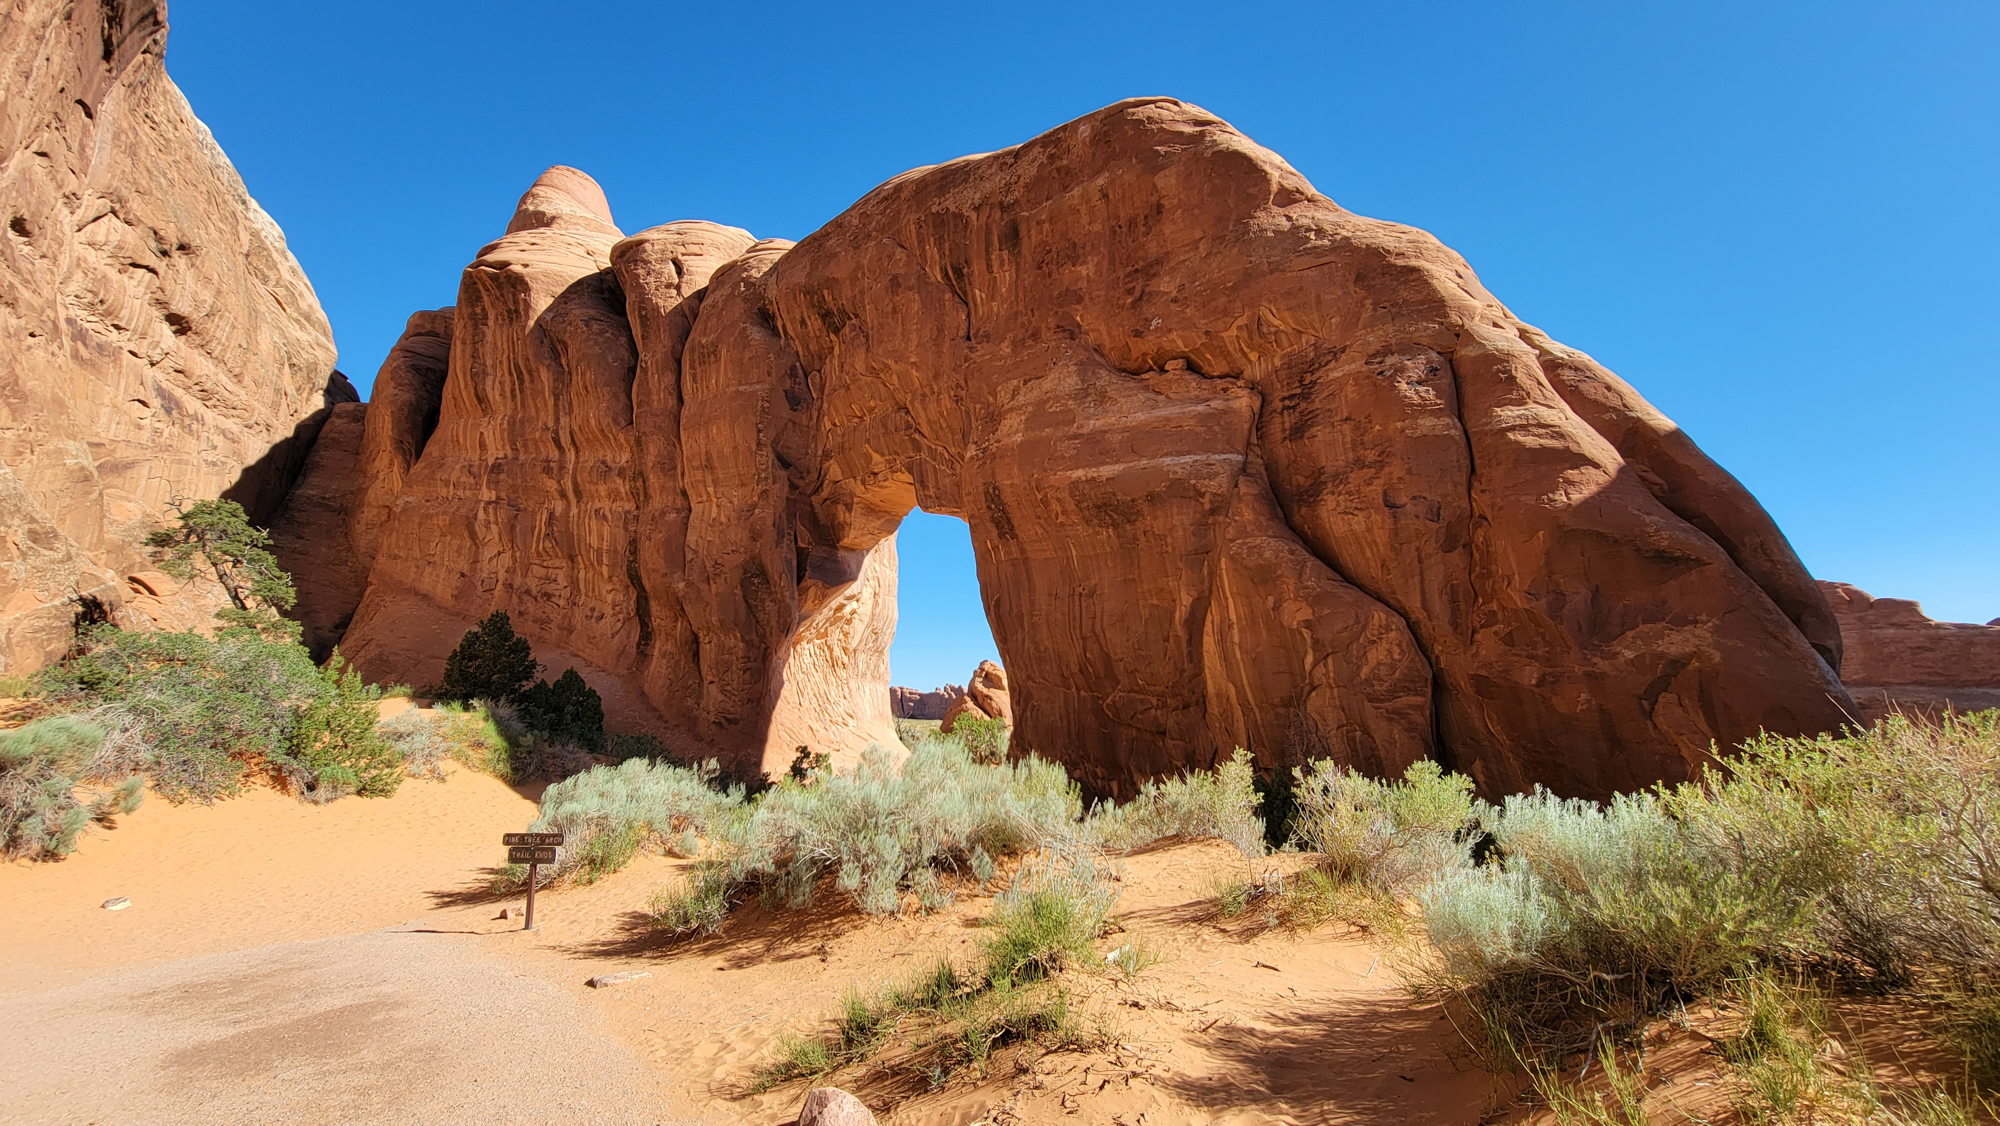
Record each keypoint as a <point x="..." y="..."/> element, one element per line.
<point x="985" y="698"/>
<point x="1898" y="659"/>
<point x="1241" y="468"/>
<point x="162" y="341"/>
<point x="831" y="1106"/>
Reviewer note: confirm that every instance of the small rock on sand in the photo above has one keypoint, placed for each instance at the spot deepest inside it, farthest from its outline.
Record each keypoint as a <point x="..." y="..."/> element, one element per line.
<point x="511" y="913"/>
<point x="117" y="903"/>
<point x="602" y="980"/>
<point x="831" y="1106"/>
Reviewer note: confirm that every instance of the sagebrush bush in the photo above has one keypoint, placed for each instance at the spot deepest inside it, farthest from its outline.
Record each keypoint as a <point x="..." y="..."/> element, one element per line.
<point x="1892" y="832"/>
<point x="1600" y="915"/>
<point x="421" y="740"/>
<point x="1393" y="836"/>
<point x="607" y="813"/>
<point x="43" y="765"/>
<point x="880" y="831"/>
<point x="1221" y="803"/>
<point x="1869" y="854"/>
<point x="696" y="907"/>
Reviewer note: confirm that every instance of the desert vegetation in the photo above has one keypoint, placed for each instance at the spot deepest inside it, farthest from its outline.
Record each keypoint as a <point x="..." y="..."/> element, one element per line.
<point x="1795" y="877"/>
<point x="1795" y="871"/>
<point x="198" y="715"/>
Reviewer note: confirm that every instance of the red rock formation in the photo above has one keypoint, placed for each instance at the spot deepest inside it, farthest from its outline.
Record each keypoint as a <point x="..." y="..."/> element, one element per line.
<point x="985" y="698"/>
<point x="1237" y="463"/>
<point x="530" y="493"/>
<point x="1900" y="660"/>
<point x="162" y="341"/>
<point x="310" y="536"/>
<point x="908" y="703"/>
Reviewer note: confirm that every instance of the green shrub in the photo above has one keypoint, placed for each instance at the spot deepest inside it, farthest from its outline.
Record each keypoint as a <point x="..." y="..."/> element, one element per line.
<point x="42" y="766"/>
<point x="489" y="663"/>
<point x="334" y="749"/>
<point x="1972" y="1025"/>
<point x="697" y="907"/>
<point x="568" y="711"/>
<point x="985" y="739"/>
<point x="912" y="732"/>
<point x="1892" y="833"/>
<point x="193" y="713"/>
<point x="1051" y="915"/>
<point x="482" y="736"/>
<point x="947" y="1019"/>
<point x="1221" y="803"/>
<point x="1391" y="836"/>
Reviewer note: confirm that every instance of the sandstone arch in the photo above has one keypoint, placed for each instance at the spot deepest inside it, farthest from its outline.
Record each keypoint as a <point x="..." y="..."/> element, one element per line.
<point x="1233" y="458"/>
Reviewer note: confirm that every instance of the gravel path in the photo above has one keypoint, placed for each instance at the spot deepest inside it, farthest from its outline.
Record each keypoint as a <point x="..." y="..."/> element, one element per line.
<point x="385" y="1027"/>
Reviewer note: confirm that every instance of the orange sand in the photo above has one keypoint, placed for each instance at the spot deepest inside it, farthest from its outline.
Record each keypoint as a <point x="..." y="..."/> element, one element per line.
<point x="248" y="871"/>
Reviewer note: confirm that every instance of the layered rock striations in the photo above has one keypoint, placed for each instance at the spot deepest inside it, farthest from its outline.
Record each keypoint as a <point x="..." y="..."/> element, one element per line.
<point x="1899" y="660"/>
<point x="162" y="341"/>
<point x="1238" y="464"/>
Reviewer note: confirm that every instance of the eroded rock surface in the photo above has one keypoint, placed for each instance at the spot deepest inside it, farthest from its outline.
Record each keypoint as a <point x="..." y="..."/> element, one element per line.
<point x="162" y="342"/>
<point x="1238" y="464"/>
<point x="985" y="698"/>
<point x="1898" y="659"/>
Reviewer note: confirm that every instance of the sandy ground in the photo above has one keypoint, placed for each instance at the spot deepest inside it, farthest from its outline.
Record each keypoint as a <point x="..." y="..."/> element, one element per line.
<point x="390" y="1026"/>
<point x="284" y="962"/>
<point x="251" y="870"/>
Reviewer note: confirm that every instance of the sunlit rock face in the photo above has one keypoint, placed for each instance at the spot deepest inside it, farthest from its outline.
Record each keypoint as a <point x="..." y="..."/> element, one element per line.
<point x="1241" y="468"/>
<point x="1899" y="660"/>
<point x="161" y="341"/>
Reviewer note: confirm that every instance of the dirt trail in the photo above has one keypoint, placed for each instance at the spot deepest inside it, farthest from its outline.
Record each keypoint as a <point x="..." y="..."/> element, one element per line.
<point x="388" y="1027"/>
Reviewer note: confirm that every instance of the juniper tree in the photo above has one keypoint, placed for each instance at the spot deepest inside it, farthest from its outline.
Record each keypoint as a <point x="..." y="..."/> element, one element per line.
<point x="490" y="663"/>
<point x="216" y="536"/>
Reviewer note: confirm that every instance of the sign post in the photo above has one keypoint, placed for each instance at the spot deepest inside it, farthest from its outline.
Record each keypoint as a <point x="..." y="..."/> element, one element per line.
<point x="534" y="850"/>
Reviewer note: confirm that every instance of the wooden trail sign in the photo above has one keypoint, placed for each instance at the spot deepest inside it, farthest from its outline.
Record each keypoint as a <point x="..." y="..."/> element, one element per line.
<point x="534" y="850"/>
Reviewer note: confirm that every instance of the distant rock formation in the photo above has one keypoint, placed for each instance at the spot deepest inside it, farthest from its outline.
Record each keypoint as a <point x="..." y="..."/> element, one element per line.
<point x="985" y="698"/>
<point x="1897" y="659"/>
<point x="908" y="703"/>
<point x="161" y="341"/>
<point x="1237" y="463"/>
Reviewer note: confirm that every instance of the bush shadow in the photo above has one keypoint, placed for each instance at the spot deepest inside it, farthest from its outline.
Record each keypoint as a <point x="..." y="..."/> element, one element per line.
<point x="1377" y="1059"/>
<point x="752" y="935"/>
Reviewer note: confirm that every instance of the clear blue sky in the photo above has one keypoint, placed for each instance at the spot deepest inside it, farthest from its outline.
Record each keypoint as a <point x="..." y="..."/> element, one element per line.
<point x="1777" y="220"/>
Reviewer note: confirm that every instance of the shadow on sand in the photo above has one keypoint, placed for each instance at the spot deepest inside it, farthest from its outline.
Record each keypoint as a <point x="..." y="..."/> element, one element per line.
<point x="753" y="935"/>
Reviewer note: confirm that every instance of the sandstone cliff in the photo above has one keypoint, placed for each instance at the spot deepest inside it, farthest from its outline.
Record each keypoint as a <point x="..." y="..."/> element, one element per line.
<point x="162" y="341"/>
<point x="1238" y="464"/>
<point x="908" y="703"/>
<point x="1897" y="659"/>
